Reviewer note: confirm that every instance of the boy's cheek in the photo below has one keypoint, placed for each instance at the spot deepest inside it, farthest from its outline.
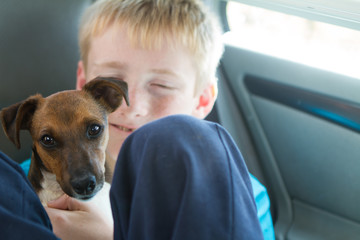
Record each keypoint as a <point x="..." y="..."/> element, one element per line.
<point x="176" y="105"/>
<point x="114" y="144"/>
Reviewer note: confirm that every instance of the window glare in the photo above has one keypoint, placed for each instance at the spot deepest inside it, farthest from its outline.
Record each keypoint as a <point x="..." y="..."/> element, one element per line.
<point x="317" y="44"/>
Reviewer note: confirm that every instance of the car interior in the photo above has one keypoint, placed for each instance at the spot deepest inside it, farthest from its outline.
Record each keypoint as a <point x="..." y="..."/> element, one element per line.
<point x="296" y="123"/>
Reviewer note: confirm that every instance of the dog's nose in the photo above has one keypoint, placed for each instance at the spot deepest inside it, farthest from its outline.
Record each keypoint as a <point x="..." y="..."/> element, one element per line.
<point x="85" y="185"/>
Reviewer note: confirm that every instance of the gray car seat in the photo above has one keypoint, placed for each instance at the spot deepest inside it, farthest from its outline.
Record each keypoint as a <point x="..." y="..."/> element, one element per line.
<point x="38" y="54"/>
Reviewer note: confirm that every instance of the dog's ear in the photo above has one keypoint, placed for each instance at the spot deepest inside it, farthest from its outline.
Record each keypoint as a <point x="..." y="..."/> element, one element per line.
<point x="108" y="91"/>
<point x="18" y="117"/>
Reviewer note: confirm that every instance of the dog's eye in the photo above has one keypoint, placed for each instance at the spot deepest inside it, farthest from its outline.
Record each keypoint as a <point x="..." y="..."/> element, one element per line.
<point x="48" y="141"/>
<point x="94" y="130"/>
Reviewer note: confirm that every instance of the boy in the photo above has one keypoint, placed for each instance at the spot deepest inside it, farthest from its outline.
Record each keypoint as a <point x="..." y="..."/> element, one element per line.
<point x="167" y="52"/>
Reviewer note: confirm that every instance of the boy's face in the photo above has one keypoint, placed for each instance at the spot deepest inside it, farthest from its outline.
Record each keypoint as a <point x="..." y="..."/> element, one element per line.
<point x="160" y="82"/>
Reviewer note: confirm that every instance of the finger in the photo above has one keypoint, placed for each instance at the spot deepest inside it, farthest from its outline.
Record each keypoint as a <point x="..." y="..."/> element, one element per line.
<point x="60" y="203"/>
<point x="61" y="220"/>
<point x="67" y="203"/>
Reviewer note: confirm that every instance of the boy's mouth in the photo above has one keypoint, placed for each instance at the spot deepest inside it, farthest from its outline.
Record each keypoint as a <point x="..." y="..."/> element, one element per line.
<point x="122" y="128"/>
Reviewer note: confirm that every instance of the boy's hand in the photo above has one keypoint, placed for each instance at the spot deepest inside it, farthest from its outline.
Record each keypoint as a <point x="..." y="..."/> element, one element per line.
<point x="74" y="219"/>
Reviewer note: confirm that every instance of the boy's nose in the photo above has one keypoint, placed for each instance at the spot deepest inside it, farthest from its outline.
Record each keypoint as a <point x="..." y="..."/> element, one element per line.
<point x="138" y="104"/>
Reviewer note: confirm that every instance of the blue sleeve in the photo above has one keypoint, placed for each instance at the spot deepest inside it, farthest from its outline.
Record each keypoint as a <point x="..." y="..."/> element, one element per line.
<point x="22" y="215"/>
<point x="25" y="166"/>
<point x="262" y="201"/>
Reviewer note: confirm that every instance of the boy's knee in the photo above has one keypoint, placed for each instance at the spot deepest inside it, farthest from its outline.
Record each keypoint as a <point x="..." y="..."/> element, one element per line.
<point x="176" y="128"/>
<point x="176" y="139"/>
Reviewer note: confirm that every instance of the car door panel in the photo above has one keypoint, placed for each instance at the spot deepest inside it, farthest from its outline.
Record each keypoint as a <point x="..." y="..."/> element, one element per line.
<point x="303" y="124"/>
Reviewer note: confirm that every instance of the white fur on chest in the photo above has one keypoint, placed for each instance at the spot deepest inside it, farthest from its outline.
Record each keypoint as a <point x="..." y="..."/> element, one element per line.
<point x="51" y="189"/>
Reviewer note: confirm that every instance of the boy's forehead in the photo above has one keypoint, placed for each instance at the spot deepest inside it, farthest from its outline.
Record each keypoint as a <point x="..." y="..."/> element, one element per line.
<point x="150" y="41"/>
<point x="115" y="41"/>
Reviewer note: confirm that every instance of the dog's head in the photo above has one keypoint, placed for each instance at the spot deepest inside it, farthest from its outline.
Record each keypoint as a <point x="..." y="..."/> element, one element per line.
<point x="70" y="133"/>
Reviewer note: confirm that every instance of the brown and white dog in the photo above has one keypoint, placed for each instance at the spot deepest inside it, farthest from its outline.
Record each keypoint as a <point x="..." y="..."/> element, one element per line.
<point x="69" y="131"/>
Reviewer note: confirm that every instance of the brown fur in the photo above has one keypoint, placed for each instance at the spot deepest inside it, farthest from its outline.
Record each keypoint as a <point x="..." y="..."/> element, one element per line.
<point x="67" y="117"/>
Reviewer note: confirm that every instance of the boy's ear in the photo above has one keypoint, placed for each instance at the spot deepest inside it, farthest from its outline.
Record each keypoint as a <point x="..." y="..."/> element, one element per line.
<point x="80" y="76"/>
<point x="206" y="101"/>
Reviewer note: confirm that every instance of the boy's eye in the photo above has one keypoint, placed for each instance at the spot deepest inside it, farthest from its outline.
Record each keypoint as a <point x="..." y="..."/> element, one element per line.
<point x="162" y="86"/>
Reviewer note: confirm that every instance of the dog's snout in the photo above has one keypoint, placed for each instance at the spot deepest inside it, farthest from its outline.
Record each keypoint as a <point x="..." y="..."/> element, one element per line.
<point x="85" y="185"/>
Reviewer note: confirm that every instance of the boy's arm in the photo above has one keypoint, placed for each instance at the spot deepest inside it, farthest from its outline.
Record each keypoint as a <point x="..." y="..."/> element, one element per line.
<point x="262" y="201"/>
<point x="21" y="211"/>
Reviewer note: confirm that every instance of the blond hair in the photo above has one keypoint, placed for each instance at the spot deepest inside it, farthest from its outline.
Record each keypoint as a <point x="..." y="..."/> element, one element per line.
<point x="151" y="23"/>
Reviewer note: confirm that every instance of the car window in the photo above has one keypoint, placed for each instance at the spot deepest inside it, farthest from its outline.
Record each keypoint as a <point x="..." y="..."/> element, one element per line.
<point x="290" y="37"/>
